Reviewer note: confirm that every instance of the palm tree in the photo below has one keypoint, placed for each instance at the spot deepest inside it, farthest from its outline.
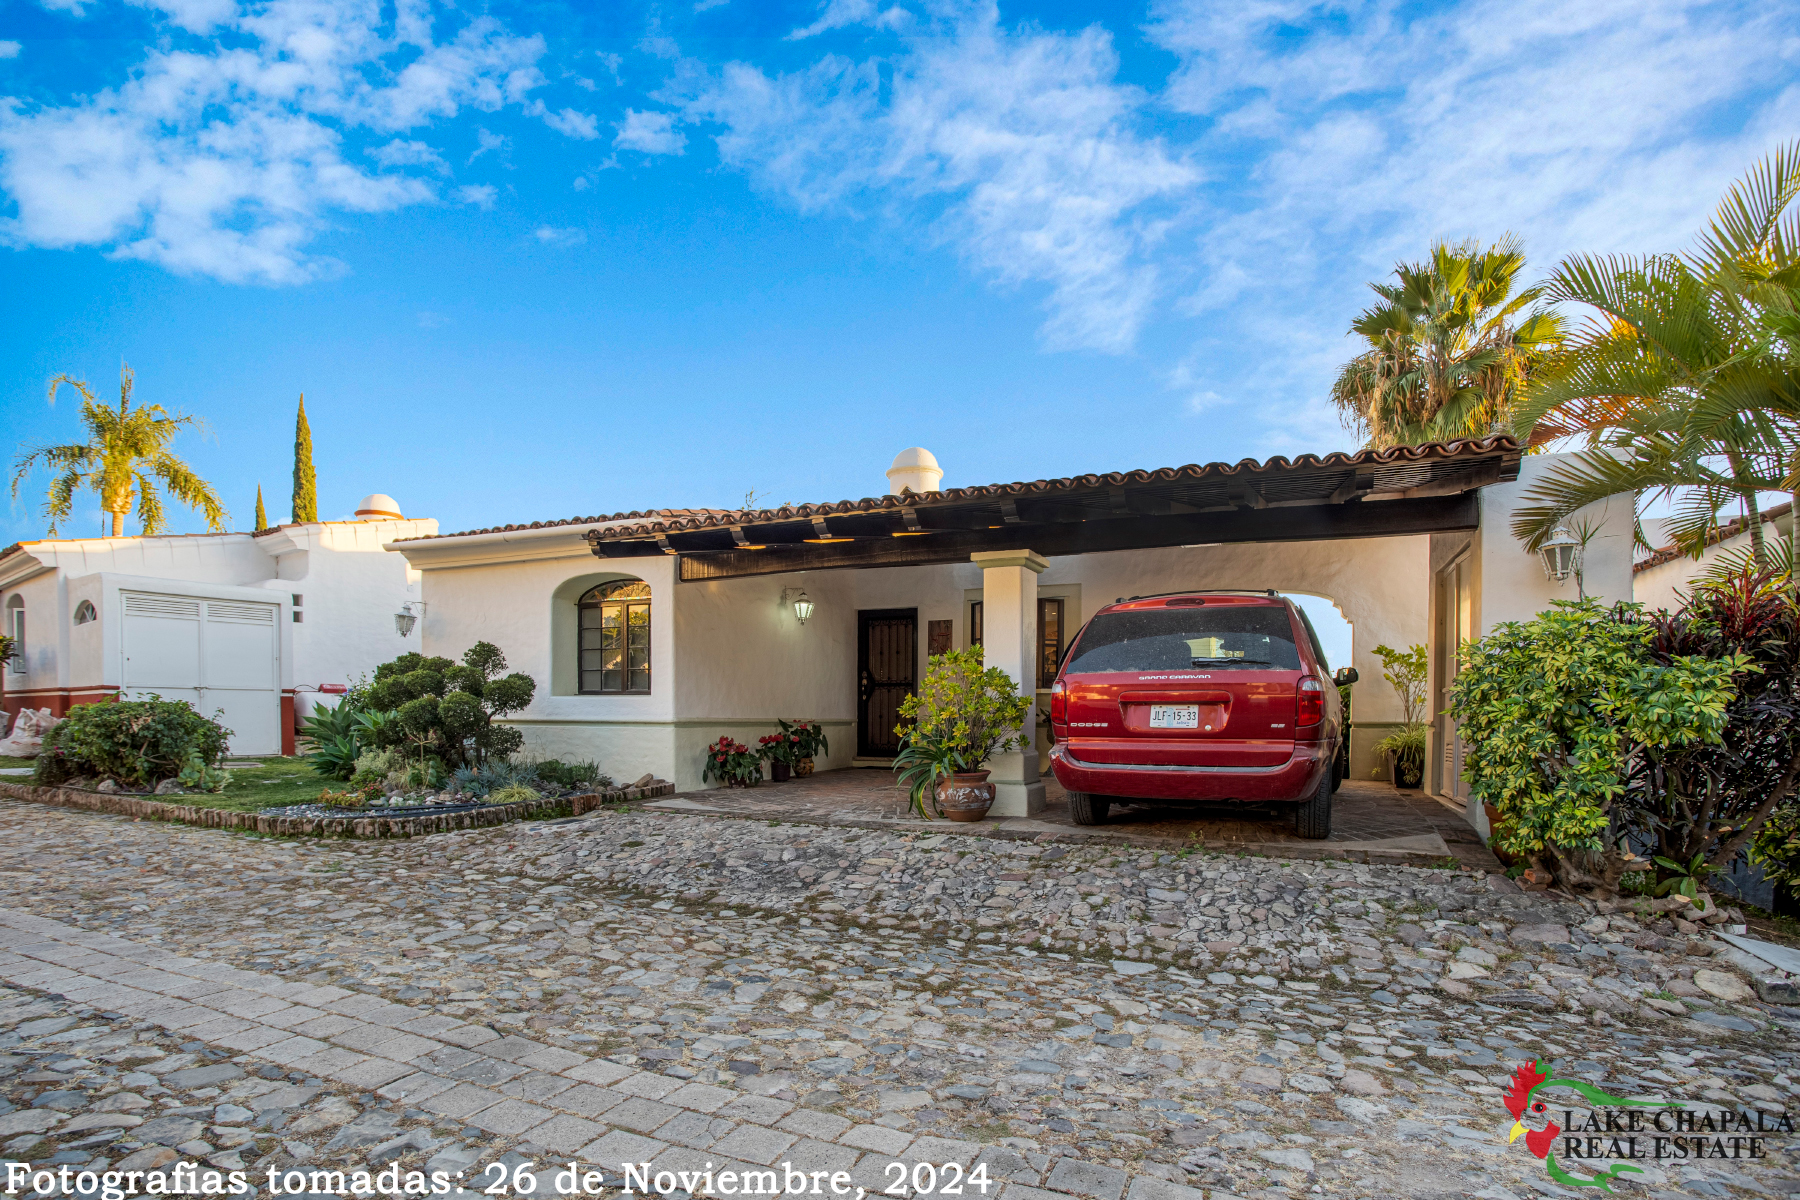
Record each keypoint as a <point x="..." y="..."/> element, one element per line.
<point x="1687" y="382"/>
<point x="1450" y="347"/>
<point x="124" y="457"/>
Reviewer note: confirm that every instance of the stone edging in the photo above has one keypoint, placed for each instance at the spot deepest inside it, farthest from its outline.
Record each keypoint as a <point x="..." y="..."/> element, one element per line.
<point x="410" y="825"/>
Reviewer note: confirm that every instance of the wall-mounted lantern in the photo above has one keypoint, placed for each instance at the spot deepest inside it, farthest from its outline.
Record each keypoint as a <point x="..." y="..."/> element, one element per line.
<point x="803" y="607"/>
<point x="406" y="618"/>
<point x="1561" y="554"/>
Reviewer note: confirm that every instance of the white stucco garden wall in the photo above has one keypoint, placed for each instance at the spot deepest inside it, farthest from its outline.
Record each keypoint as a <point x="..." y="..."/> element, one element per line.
<point x="1666" y="584"/>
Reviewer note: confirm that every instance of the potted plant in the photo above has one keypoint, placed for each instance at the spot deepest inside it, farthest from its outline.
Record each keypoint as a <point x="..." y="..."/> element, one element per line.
<point x="962" y="715"/>
<point x="809" y="741"/>
<point x="781" y="750"/>
<point x="1404" y="749"/>
<point x="732" y="763"/>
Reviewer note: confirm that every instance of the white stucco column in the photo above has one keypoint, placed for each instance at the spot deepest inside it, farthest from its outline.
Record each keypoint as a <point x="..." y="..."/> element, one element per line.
<point x="1009" y="641"/>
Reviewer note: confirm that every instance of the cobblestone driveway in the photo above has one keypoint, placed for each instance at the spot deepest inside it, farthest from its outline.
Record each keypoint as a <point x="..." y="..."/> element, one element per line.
<point x="1092" y="1022"/>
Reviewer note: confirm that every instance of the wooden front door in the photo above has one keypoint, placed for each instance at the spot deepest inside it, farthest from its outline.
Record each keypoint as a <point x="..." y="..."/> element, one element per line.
<point x="887" y="672"/>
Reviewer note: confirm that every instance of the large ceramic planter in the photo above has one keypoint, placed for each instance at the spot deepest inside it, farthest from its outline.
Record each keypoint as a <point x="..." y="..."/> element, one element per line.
<point x="1495" y="826"/>
<point x="779" y="772"/>
<point x="965" y="796"/>
<point x="803" y="768"/>
<point x="1395" y="766"/>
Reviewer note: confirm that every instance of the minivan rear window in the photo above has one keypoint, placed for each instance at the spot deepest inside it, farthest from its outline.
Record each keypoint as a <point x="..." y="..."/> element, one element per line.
<point x="1232" y="637"/>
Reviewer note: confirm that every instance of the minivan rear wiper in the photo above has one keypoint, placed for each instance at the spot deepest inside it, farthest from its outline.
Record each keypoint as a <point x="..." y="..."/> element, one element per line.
<point x="1260" y="661"/>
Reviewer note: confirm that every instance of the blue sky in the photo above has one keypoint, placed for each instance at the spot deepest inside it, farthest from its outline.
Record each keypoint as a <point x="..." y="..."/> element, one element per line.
<point x="535" y="260"/>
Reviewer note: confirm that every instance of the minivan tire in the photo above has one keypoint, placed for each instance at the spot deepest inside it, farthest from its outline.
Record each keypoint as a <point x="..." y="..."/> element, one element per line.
<point x="1085" y="808"/>
<point x="1312" y="816"/>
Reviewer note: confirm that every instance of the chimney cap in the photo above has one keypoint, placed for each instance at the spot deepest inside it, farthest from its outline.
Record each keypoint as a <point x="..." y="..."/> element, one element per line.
<point x="378" y="507"/>
<point x="913" y="457"/>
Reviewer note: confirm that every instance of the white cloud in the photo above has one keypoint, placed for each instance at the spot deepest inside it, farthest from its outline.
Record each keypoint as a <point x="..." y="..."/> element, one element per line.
<point x="1018" y="147"/>
<point x="481" y="195"/>
<point x="1346" y="136"/>
<point x="399" y="153"/>
<point x="486" y="142"/>
<point x="549" y="235"/>
<point x="571" y="123"/>
<point x="224" y="161"/>
<point x="649" y="132"/>
<point x="581" y="183"/>
<point x="9" y="49"/>
<point x="841" y="14"/>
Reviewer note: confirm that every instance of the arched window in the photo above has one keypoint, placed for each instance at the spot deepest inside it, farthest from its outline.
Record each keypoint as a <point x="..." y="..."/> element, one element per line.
<point x="615" y="639"/>
<point x="84" y="612"/>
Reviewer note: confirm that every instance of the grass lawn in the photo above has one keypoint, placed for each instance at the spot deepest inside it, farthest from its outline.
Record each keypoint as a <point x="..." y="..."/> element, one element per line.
<point x="277" y="781"/>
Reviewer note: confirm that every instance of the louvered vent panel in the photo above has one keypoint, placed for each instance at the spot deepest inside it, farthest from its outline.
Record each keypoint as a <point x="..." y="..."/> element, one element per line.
<point x="138" y="605"/>
<point x="246" y="614"/>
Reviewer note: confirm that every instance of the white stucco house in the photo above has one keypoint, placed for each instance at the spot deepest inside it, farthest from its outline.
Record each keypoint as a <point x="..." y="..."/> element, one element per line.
<point x="250" y="625"/>
<point x="652" y="633"/>
<point x="1662" y="578"/>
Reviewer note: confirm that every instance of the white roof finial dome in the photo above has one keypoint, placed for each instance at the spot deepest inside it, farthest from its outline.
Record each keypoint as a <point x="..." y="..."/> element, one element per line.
<point x="915" y="469"/>
<point x="378" y="507"/>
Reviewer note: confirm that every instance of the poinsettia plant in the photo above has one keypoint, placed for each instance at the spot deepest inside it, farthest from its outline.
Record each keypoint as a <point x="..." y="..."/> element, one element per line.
<point x="809" y="737"/>
<point x="780" y="747"/>
<point x="731" y="761"/>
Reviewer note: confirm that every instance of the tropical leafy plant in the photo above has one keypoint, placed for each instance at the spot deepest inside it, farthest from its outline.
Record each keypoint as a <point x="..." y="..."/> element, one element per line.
<point x="1683" y="878"/>
<point x="1685" y="383"/>
<point x="962" y="715"/>
<point x="139" y="743"/>
<point x="1571" y="720"/>
<point x="331" y="735"/>
<point x="1406" y="671"/>
<point x="1450" y="346"/>
<point x="125" y="459"/>
<point x="1407" y="745"/>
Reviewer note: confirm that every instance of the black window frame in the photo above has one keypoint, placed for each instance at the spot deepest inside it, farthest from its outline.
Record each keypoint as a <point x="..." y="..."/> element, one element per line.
<point x="629" y="596"/>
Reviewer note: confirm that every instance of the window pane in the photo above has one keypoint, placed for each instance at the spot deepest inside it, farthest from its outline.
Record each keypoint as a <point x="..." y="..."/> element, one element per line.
<point x="590" y="681"/>
<point x="612" y="660"/>
<point x="1228" y="637"/>
<point x="638" y="658"/>
<point x="590" y="616"/>
<point x="640" y="681"/>
<point x="975" y="623"/>
<point x="1050" y="640"/>
<point x="611" y="681"/>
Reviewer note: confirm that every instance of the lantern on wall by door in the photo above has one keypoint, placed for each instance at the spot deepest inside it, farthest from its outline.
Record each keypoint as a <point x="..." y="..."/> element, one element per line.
<point x="1561" y="554"/>
<point x="803" y="608"/>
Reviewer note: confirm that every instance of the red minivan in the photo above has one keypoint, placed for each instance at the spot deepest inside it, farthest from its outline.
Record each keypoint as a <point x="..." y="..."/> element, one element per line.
<point x="1199" y="696"/>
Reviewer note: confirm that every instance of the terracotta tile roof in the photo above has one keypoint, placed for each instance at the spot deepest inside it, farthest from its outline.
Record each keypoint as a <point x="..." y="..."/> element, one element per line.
<point x="1392" y="469"/>
<point x="625" y="516"/>
<point x="1723" y="533"/>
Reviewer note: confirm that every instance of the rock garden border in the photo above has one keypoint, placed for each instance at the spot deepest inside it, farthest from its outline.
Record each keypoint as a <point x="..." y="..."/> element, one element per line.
<point x="358" y="825"/>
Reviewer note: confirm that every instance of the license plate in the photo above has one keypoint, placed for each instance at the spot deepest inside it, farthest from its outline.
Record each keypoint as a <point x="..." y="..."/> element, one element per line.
<point x="1174" y="716"/>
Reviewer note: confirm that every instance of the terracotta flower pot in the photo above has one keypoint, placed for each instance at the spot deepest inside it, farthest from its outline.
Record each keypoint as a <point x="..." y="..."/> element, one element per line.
<point x="965" y="796"/>
<point x="779" y="772"/>
<point x="803" y="768"/>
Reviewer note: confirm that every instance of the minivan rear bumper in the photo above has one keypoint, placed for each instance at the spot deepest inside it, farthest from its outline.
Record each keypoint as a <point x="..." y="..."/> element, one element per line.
<point x="1293" y="780"/>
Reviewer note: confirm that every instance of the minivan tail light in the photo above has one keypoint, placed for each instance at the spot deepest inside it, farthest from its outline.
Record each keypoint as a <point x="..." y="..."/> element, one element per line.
<point x="1059" y="704"/>
<point x="1309" y="702"/>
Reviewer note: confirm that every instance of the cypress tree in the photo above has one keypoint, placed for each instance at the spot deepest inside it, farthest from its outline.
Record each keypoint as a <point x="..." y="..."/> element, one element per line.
<point x="306" y="492"/>
<point x="262" y="518"/>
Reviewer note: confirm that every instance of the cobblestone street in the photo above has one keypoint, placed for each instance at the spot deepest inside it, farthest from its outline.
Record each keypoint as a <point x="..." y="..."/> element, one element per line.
<point x="1081" y="1020"/>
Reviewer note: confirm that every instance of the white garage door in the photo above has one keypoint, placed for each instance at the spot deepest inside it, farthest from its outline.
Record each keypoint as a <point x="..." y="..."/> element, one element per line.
<point x="221" y="656"/>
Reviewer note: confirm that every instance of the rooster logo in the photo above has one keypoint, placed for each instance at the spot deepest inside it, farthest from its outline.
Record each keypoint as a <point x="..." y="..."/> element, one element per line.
<point x="1532" y="1119"/>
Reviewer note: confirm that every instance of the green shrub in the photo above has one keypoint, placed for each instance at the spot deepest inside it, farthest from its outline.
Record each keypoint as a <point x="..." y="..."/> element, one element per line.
<point x="518" y="793"/>
<point x="1577" y="728"/>
<point x="140" y="743"/>
<point x="442" y="708"/>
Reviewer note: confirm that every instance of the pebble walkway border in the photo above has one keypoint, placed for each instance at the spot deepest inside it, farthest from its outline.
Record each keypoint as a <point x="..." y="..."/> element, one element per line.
<point x="347" y="826"/>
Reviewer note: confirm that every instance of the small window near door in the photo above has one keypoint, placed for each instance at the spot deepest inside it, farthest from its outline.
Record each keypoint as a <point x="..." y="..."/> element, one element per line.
<point x="15" y="629"/>
<point x="974" y="624"/>
<point x="1050" y="640"/>
<point x="615" y="639"/>
<point x="84" y="612"/>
